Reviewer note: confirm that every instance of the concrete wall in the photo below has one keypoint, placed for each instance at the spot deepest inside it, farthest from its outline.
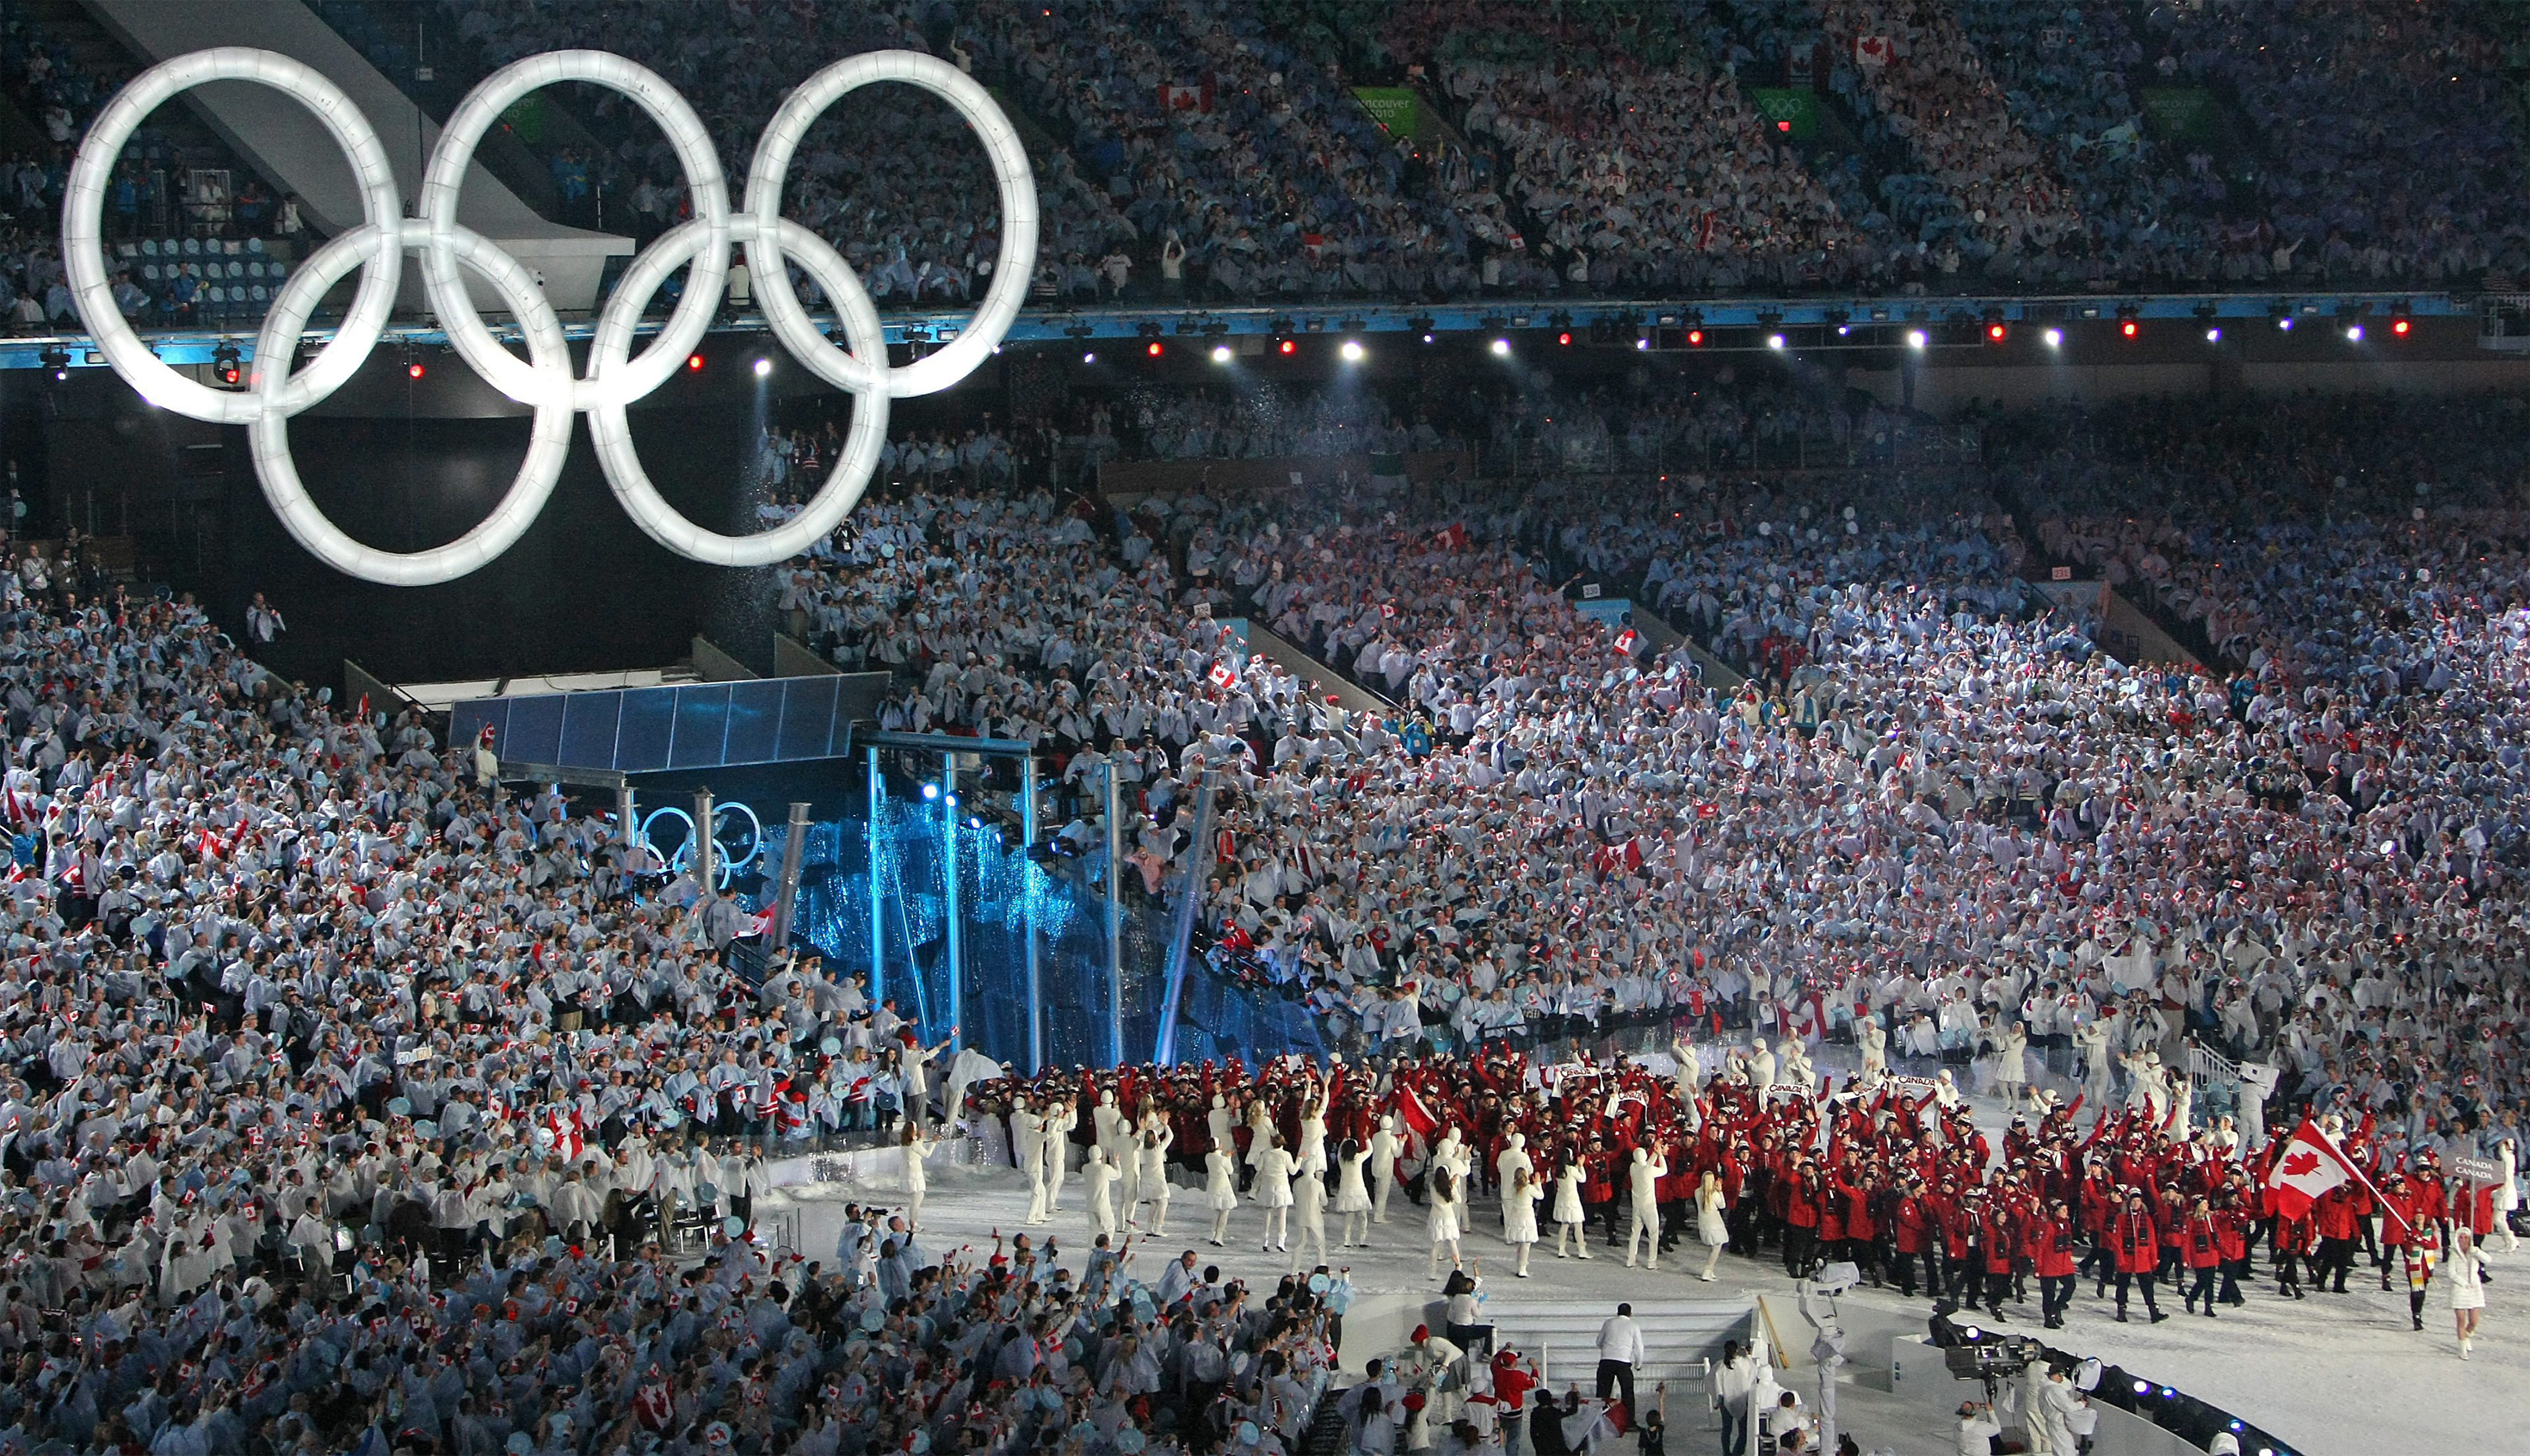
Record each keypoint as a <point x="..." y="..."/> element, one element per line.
<point x="1320" y="677"/>
<point x="792" y="659"/>
<point x="717" y="666"/>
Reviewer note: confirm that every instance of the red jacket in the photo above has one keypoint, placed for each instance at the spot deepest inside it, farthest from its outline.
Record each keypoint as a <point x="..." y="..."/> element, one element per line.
<point x="2050" y="1247"/>
<point x="2336" y="1214"/>
<point x="2201" y="1241"/>
<point x="2134" y="1242"/>
<point x="1914" y="1225"/>
<point x="1801" y="1203"/>
<point x="1996" y="1241"/>
<point x="2231" y="1234"/>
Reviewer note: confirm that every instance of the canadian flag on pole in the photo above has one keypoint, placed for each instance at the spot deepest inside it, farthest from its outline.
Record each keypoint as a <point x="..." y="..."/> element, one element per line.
<point x="1871" y="50"/>
<point x="1418" y="1118"/>
<point x="1221" y="674"/>
<point x="2308" y="1165"/>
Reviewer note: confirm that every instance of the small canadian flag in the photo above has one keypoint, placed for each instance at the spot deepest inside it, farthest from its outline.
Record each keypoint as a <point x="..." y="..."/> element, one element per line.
<point x="1871" y="50"/>
<point x="1388" y="609"/>
<point x="1222" y="676"/>
<point x="1625" y="641"/>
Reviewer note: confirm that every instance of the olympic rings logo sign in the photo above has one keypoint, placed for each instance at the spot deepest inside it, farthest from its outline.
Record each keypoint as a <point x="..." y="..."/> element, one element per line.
<point x="543" y="381"/>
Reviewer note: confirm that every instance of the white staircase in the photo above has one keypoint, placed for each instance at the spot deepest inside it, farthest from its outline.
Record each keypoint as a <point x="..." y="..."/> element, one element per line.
<point x="1562" y="1335"/>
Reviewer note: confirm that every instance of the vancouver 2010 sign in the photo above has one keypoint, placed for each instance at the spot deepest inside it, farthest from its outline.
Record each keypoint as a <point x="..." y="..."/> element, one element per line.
<point x="544" y="380"/>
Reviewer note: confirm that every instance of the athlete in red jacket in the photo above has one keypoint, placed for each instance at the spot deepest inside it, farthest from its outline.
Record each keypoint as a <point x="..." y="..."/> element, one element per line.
<point x="2135" y="1244"/>
<point x="2200" y="1248"/>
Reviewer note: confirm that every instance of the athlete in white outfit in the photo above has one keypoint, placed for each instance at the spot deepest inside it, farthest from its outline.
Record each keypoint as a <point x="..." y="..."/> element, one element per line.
<point x="915" y="1148"/>
<point x="1152" y="1186"/>
<point x="1642" y="1181"/>
<point x="1443" y="1221"/>
<point x="1309" y="1196"/>
<point x="1273" y="1192"/>
<point x="1569" y="1212"/>
<point x="1098" y="1180"/>
<point x="1220" y="1188"/>
<point x="1520" y="1193"/>
<point x="1385" y="1145"/>
<point x="1353" y="1194"/>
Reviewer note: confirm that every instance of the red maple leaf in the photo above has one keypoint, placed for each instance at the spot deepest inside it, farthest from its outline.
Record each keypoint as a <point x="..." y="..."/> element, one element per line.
<point x="2300" y="1164"/>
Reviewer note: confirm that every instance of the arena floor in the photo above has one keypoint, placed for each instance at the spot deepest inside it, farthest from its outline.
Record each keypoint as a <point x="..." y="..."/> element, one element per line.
<point x="2331" y="1375"/>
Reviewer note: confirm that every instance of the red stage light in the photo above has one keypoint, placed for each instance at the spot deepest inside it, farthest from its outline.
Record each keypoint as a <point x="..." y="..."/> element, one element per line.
<point x="1290" y="346"/>
<point x="1153" y="348"/>
<point x="2127" y="328"/>
<point x="1562" y="338"/>
<point x="1695" y="338"/>
<point x="694" y="362"/>
<point x="412" y="371"/>
<point x="2398" y="326"/>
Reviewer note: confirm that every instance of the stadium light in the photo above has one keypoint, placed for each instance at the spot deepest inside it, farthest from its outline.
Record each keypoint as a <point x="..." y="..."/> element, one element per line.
<point x="693" y="363"/>
<point x="1155" y="349"/>
<point x="1695" y="338"/>
<point x="1351" y="351"/>
<point x="1091" y="357"/>
<point x="412" y="370"/>
<point x="763" y="367"/>
<point x="2354" y="333"/>
<point x="2213" y="334"/>
<point x="1916" y="339"/>
<point x="1221" y="354"/>
<point x="1290" y="346"/>
<point x="1501" y="348"/>
<point x="2055" y="337"/>
<point x="1774" y="341"/>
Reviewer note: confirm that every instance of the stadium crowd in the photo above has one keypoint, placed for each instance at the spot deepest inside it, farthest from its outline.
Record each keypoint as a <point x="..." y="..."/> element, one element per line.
<point x="327" y="1056"/>
<point x="1990" y="145"/>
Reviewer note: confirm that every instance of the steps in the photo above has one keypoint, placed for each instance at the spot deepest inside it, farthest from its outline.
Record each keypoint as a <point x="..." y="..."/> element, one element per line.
<point x="1563" y="1335"/>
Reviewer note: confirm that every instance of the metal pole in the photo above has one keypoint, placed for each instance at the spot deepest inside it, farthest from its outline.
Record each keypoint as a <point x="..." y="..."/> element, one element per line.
<point x="949" y="876"/>
<point x="1028" y="908"/>
<point x="702" y="845"/>
<point x="878" y="921"/>
<point x="793" y="847"/>
<point x="626" y="814"/>
<point x="1115" y="926"/>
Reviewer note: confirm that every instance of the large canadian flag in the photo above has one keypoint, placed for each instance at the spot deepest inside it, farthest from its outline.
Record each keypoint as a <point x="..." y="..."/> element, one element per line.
<point x="2309" y="1166"/>
<point x="1417" y="1118"/>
